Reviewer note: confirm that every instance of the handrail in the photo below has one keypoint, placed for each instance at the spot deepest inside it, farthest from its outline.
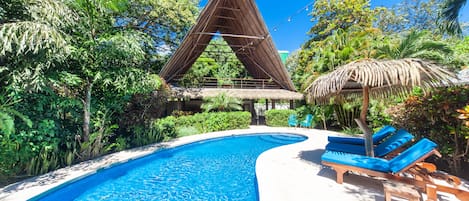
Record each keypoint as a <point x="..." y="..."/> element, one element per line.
<point x="236" y="83"/>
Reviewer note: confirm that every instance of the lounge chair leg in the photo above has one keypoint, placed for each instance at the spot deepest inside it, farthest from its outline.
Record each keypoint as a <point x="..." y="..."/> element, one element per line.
<point x="431" y="192"/>
<point x="387" y="196"/>
<point x="340" y="175"/>
<point x="401" y="190"/>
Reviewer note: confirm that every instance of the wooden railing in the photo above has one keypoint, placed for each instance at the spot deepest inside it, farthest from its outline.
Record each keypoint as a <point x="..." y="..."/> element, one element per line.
<point x="235" y="83"/>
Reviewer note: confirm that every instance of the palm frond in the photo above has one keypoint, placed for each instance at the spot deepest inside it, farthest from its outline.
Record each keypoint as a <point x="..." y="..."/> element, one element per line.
<point x="410" y="44"/>
<point x="450" y="16"/>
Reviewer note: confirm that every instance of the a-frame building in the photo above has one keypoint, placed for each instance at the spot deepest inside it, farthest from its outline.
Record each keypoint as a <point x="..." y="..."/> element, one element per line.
<point x="242" y="27"/>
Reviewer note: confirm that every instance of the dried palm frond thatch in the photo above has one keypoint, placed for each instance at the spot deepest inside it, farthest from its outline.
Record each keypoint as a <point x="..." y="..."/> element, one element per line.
<point x="383" y="78"/>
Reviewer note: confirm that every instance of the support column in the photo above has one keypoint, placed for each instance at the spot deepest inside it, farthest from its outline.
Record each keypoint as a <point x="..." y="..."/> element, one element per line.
<point x="273" y="104"/>
<point x="292" y="104"/>
<point x="179" y="104"/>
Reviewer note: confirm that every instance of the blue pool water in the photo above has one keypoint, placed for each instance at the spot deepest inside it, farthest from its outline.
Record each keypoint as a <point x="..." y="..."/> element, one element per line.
<point x="216" y="169"/>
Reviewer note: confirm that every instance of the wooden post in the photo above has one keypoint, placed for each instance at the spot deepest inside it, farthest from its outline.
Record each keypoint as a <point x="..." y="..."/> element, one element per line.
<point x="431" y="192"/>
<point x="179" y="104"/>
<point x="292" y="104"/>
<point x="266" y="104"/>
<point x="363" y="125"/>
<point x="366" y="102"/>
<point x="273" y="104"/>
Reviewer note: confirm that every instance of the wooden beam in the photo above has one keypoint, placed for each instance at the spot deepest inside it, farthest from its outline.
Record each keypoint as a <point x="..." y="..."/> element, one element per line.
<point x="231" y="35"/>
<point x="232" y="9"/>
<point x="221" y="52"/>
<point x="225" y="17"/>
<point x="227" y="45"/>
<point x="222" y="26"/>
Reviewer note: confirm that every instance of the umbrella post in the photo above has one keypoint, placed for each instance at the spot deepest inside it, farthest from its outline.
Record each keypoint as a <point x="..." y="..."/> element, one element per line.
<point x="362" y="122"/>
<point x="368" y="137"/>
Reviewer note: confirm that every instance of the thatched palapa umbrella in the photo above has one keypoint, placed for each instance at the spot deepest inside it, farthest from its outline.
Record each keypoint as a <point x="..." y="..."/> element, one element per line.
<point x="378" y="79"/>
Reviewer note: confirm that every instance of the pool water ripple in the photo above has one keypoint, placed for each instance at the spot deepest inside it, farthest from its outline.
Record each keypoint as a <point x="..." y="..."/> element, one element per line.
<point x="219" y="169"/>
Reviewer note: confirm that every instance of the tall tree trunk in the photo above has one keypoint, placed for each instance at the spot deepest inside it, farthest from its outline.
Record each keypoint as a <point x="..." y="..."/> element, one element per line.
<point x="87" y="112"/>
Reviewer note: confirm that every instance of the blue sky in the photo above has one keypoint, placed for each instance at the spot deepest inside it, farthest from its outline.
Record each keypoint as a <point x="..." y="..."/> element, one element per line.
<point x="288" y="21"/>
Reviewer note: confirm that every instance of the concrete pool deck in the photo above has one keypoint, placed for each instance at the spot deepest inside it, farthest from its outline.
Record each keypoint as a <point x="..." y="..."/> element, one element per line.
<point x="292" y="172"/>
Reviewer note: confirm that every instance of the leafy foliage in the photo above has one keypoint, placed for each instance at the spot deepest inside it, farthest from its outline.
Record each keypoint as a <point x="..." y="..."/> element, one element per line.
<point x="346" y="113"/>
<point x="70" y="70"/>
<point x="276" y="117"/>
<point x="414" y="45"/>
<point x="211" y="122"/>
<point x="332" y="15"/>
<point x="438" y="112"/>
<point x="460" y="57"/>
<point x="221" y="103"/>
<point x="342" y="33"/>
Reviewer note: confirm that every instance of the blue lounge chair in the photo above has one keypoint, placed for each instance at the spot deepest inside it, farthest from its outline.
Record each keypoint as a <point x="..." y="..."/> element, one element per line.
<point x="389" y="145"/>
<point x="307" y="123"/>
<point x="377" y="137"/>
<point x="292" y="121"/>
<point x="406" y="162"/>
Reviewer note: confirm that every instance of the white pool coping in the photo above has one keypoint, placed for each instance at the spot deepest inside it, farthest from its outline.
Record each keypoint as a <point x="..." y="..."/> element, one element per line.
<point x="287" y="173"/>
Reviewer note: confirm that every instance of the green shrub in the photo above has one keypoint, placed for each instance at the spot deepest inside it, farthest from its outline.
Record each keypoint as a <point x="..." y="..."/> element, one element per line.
<point x="434" y="116"/>
<point x="207" y="122"/>
<point x="143" y="135"/>
<point x="278" y="117"/>
<point x="167" y="127"/>
<point x="186" y="131"/>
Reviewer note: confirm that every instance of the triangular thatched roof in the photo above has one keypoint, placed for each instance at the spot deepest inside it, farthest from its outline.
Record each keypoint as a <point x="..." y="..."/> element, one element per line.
<point x="242" y="27"/>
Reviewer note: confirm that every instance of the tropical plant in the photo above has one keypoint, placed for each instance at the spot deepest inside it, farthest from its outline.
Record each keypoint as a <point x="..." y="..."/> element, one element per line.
<point x="7" y="117"/>
<point x="449" y="16"/>
<point x="165" y="21"/>
<point x="340" y="48"/>
<point x="437" y="109"/>
<point x="221" y="103"/>
<point x="345" y="114"/>
<point x="416" y="44"/>
<point x="332" y="15"/>
<point x="58" y="58"/>
<point x="342" y="32"/>
<point x="32" y="40"/>
<point x="460" y="57"/>
<point x="322" y="114"/>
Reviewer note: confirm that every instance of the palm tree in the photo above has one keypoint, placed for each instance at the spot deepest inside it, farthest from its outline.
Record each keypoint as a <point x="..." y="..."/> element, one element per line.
<point x="414" y="45"/>
<point x="449" y="16"/>
<point x="221" y="102"/>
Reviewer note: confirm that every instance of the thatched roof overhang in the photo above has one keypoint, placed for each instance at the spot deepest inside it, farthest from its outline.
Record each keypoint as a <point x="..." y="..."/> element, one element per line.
<point x="242" y="27"/>
<point x="249" y="94"/>
<point x="382" y="77"/>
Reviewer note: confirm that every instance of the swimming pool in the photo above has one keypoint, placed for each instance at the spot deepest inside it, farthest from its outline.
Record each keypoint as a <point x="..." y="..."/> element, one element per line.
<point x="216" y="169"/>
